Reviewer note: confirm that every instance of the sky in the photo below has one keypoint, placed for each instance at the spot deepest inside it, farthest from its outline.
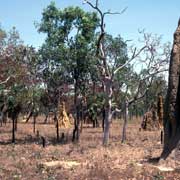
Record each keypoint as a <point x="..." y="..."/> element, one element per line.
<point x="155" y="16"/>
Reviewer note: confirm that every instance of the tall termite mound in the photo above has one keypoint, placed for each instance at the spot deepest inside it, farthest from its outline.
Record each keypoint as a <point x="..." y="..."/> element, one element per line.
<point x="63" y="118"/>
<point x="160" y="110"/>
<point x="172" y="104"/>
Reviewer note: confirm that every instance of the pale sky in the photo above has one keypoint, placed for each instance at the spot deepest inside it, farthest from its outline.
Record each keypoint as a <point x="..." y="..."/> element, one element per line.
<point x="156" y="16"/>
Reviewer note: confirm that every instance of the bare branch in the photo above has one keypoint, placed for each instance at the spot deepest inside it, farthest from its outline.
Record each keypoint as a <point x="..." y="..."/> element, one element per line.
<point x="114" y="13"/>
<point x="116" y="111"/>
<point x="121" y="66"/>
<point x="135" y="54"/>
<point x="152" y="75"/>
<point x="6" y="81"/>
<point x="97" y="3"/>
<point x="137" y="97"/>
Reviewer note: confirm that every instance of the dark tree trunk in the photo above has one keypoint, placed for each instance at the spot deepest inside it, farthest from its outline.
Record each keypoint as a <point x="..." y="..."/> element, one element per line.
<point x="13" y="130"/>
<point x="1" y="118"/>
<point x="81" y="125"/>
<point x="94" y="123"/>
<point x="13" y="114"/>
<point x="76" y="126"/>
<point x="76" y="132"/>
<point x="16" y="124"/>
<point x="34" y="124"/>
<point x="81" y="116"/>
<point x="172" y="104"/>
<point x="29" y="116"/>
<point x="46" y="118"/>
<point x="57" y="127"/>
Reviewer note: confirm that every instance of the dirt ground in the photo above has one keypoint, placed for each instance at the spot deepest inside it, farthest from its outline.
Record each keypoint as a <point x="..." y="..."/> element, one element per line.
<point x="88" y="160"/>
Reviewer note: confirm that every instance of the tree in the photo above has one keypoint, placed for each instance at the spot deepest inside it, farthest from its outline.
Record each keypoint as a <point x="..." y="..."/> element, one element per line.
<point x="153" y="60"/>
<point x="66" y="51"/>
<point x="15" y="73"/>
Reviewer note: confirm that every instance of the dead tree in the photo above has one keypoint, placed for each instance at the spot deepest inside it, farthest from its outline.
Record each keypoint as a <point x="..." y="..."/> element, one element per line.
<point x="172" y="104"/>
<point x="154" y="63"/>
<point x="107" y="73"/>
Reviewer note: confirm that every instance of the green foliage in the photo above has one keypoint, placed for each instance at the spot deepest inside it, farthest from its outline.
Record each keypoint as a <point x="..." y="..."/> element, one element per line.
<point x="116" y="51"/>
<point x="17" y="66"/>
<point x="66" y="55"/>
<point x="95" y="104"/>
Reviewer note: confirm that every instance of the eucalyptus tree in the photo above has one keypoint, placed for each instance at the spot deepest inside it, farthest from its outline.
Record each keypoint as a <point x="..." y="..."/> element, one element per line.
<point x="67" y="49"/>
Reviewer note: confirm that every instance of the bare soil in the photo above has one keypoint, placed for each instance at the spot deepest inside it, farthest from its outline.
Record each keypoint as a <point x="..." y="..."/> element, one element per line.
<point x="87" y="160"/>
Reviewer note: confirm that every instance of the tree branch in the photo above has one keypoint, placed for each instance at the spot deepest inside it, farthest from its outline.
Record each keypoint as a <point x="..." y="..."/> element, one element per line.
<point x="134" y="55"/>
<point x="6" y="81"/>
<point x="116" y="110"/>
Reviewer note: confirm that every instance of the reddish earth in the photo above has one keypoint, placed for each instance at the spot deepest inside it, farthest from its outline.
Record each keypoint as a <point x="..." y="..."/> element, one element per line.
<point x="88" y="160"/>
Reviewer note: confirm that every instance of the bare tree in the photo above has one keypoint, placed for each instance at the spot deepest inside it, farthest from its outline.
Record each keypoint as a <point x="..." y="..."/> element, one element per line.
<point x="107" y="75"/>
<point x="154" y="60"/>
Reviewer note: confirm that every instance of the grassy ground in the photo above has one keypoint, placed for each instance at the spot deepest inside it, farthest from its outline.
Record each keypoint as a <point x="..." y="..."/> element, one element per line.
<point x="88" y="160"/>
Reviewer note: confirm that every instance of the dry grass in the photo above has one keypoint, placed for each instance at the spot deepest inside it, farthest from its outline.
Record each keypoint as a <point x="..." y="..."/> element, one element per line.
<point x="129" y="161"/>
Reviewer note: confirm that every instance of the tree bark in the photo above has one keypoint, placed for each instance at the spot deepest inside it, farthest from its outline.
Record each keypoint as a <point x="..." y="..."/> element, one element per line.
<point x="125" y="121"/>
<point x="34" y="123"/>
<point x="76" y="133"/>
<point x="108" y="109"/>
<point x="103" y="117"/>
<point x="172" y="104"/>
<point x="46" y="117"/>
<point x="57" y="126"/>
<point x="29" y="116"/>
<point x="13" y="130"/>
<point x="16" y="124"/>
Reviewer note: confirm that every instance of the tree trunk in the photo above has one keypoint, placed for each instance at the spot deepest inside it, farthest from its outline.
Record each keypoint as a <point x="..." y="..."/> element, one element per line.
<point x="83" y="109"/>
<point x="1" y="118"/>
<point x="76" y="126"/>
<point x="108" y="109"/>
<point x="103" y="117"/>
<point x="172" y="104"/>
<point x="46" y="117"/>
<point x="94" y="123"/>
<point x="75" y="137"/>
<point x="34" y="124"/>
<point x="29" y="116"/>
<point x="13" y="130"/>
<point x="81" y="125"/>
<point x="125" y="121"/>
<point x="57" y="126"/>
<point x="107" y="126"/>
<point x="16" y="124"/>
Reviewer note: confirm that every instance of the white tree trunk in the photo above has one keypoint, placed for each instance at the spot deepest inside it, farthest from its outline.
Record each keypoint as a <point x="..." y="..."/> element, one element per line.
<point x="125" y="120"/>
